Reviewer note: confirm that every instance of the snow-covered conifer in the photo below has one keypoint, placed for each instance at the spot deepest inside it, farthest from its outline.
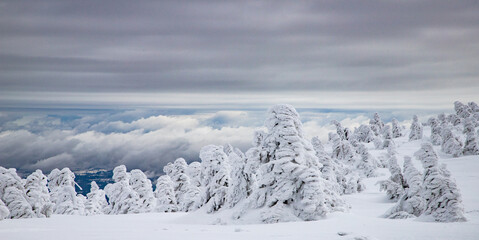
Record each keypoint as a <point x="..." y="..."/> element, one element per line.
<point x="339" y="130"/>
<point x="188" y="196"/>
<point x="342" y="150"/>
<point x="395" y="184"/>
<point x="38" y="195"/>
<point x="436" y="138"/>
<point x="238" y="186"/>
<point x="411" y="203"/>
<point x="364" y="134"/>
<point x="142" y="185"/>
<point x="443" y="199"/>
<point x="122" y="198"/>
<point x="63" y="194"/>
<point x="194" y="172"/>
<point x="471" y="146"/>
<point x="366" y="164"/>
<point x="96" y="201"/>
<point x="253" y="158"/>
<point x="416" y="129"/>
<point x="12" y="193"/>
<point x="454" y="119"/>
<point x="396" y="128"/>
<point x="376" y="124"/>
<point x="463" y="111"/>
<point x="451" y="143"/>
<point x="216" y="170"/>
<point x="165" y="195"/>
<point x="290" y="183"/>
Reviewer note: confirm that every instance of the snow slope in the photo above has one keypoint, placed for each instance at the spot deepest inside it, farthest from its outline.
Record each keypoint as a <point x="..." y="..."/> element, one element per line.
<point x="363" y="221"/>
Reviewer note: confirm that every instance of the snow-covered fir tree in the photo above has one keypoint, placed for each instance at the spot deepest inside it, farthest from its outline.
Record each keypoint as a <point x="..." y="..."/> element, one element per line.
<point x="451" y="144"/>
<point x="396" y="128"/>
<point x="216" y="179"/>
<point x="291" y="185"/>
<point x="238" y="186"/>
<point x="121" y="196"/>
<point x="364" y="134"/>
<point x="142" y="185"/>
<point x="366" y="164"/>
<point x="462" y="111"/>
<point x="165" y="195"/>
<point x="62" y="193"/>
<point x="471" y="146"/>
<point x="194" y="172"/>
<point x="38" y="195"/>
<point x="96" y="201"/>
<point x="342" y="149"/>
<point x="395" y="184"/>
<point x="436" y="138"/>
<point x="12" y="194"/>
<point x="453" y="119"/>
<point x="416" y="129"/>
<point x="411" y="203"/>
<point x="376" y="124"/>
<point x="188" y="196"/>
<point x="443" y="198"/>
<point x="253" y="158"/>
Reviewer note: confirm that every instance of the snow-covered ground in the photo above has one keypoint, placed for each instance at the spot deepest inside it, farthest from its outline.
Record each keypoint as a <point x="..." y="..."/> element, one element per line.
<point x="363" y="221"/>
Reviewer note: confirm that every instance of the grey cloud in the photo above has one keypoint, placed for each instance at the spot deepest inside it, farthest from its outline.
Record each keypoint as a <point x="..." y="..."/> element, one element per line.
<point x="209" y="46"/>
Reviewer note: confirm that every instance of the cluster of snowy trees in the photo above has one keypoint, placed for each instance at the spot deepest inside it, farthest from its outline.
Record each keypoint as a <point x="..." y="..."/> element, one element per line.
<point x="431" y="194"/>
<point x="455" y="133"/>
<point x="283" y="176"/>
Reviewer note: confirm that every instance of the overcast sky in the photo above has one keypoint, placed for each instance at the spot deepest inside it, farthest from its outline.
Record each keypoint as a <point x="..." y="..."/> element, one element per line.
<point x="94" y="84"/>
<point x="81" y="52"/>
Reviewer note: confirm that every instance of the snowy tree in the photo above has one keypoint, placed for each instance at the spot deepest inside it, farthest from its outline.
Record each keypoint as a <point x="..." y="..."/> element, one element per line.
<point x="436" y="138"/>
<point x="451" y="143"/>
<point x="194" y="172"/>
<point x="216" y="170"/>
<point x="123" y="199"/>
<point x="342" y="150"/>
<point x="387" y="136"/>
<point x="394" y="186"/>
<point x="142" y="185"/>
<point x="96" y="201"/>
<point x="376" y="124"/>
<point x="187" y="195"/>
<point x="37" y="194"/>
<point x="165" y="195"/>
<point x="291" y="186"/>
<point x="4" y="212"/>
<point x="416" y="129"/>
<point x="366" y="164"/>
<point x="238" y="186"/>
<point x="396" y="129"/>
<point x="12" y="194"/>
<point x="411" y="203"/>
<point x="473" y="106"/>
<point x="364" y="134"/>
<point x="253" y="158"/>
<point x="62" y="193"/>
<point x="340" y="130"/>
<point x="471" y="146"/>
<point x="443" y="199"/>
<point x="463" y="111"/>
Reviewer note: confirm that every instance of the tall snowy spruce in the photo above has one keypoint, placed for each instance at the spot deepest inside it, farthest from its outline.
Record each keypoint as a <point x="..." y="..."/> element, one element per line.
<point x="411" y="203"/>
<point x="436" y="138"/>
<point x="253" y="158"/>
<point x="291" y="186"/>
<point x="416" y="129"/>
<point x="165" y="195"/>
<point x="38" y="195"/>
<point x="96" y="201"/>
<point x="443" y="198"/>
<point x="123" y="199"/>
<point x="216" y="179"/>
<point x="142" y="185"/>
<point x="238" y="186"/>
<point x="451" y="144"/>
<point x="62" y="193"/>
<point x="396" y="128"/>
<point x="12" y="194"/>
<point x="376" y="124"/>
<point x="395" y="185"/>
<point x="471" y="146"/>
<point x="188" y="196"/>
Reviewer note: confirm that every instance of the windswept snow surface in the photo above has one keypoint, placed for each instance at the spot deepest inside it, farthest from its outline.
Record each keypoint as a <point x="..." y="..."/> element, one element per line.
<point x="363" y="221"/>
